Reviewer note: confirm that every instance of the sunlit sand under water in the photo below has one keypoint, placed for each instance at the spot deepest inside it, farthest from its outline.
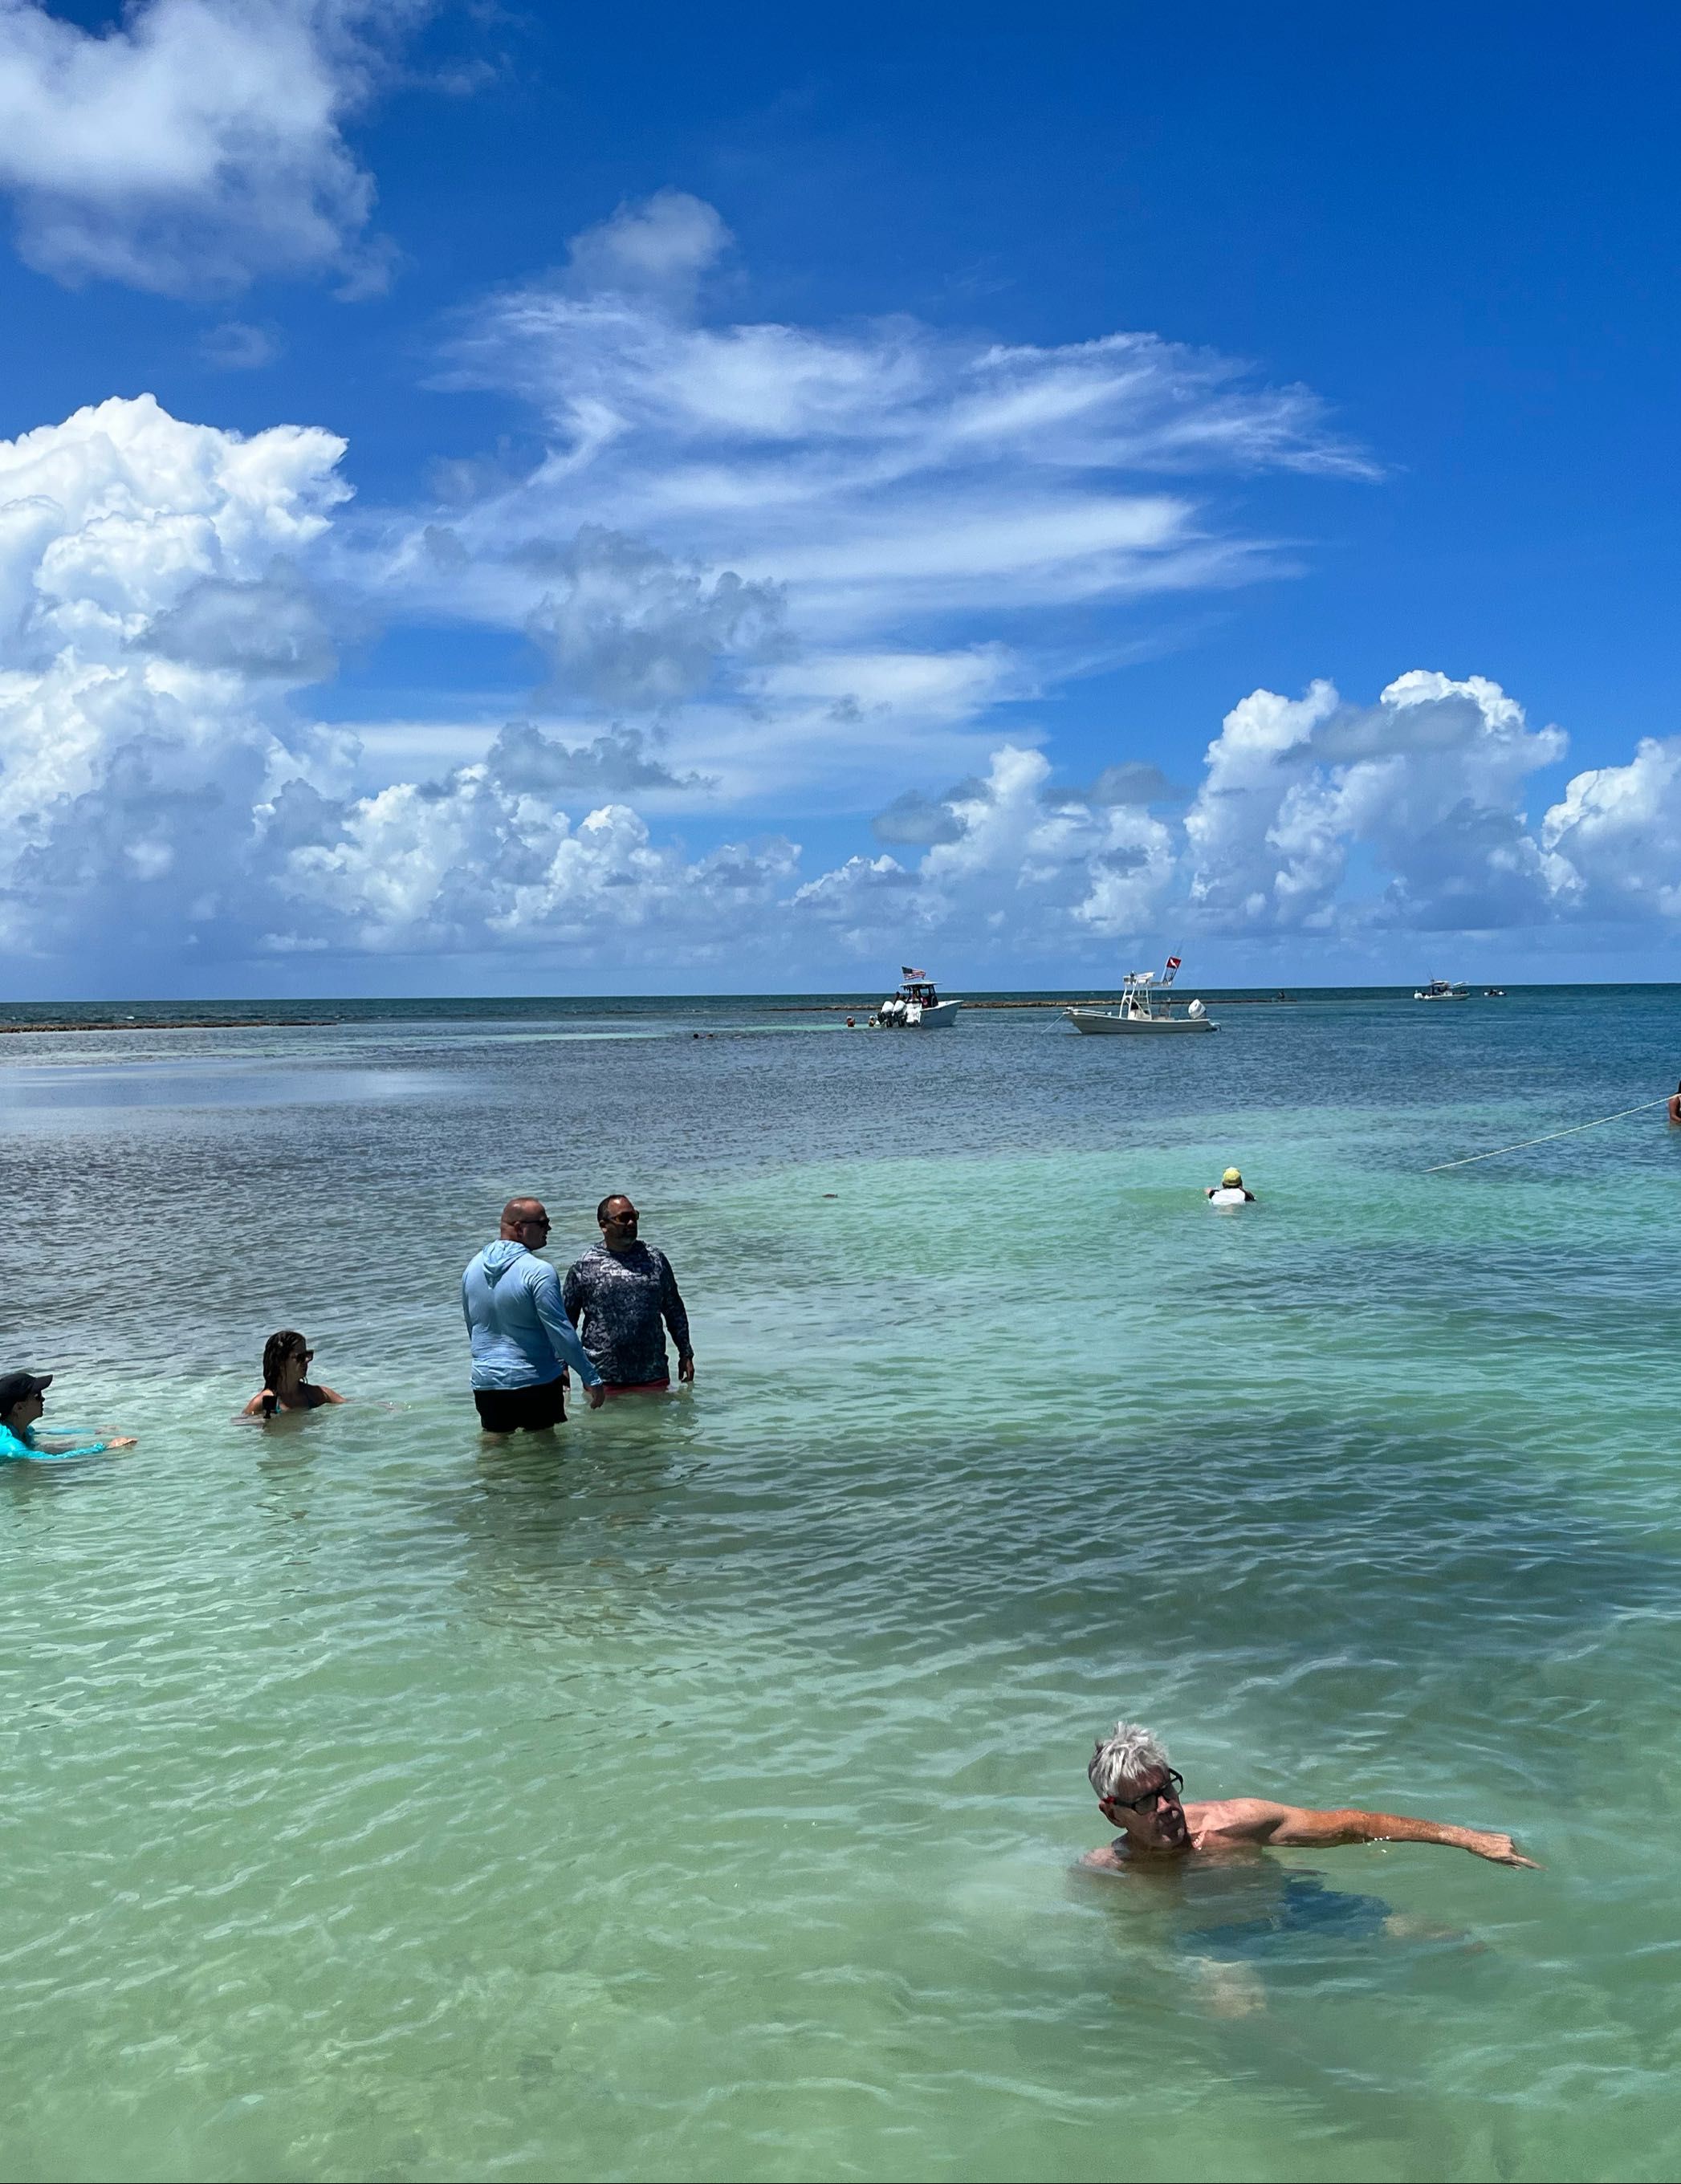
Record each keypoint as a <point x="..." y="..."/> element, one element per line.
<point x="698" y="1797"/>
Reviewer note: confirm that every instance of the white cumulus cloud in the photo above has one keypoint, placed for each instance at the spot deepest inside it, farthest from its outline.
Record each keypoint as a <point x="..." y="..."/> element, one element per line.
<point x="1316" y="820"/>
<point x="160" y="616"/>
<point x="195" y="145"/>
<point x="1428" y="783"/>
<point x="1617" y="830"/>
<point x="140" y="698"/>
<point x="467" y="864"/>
<point x="167" y="600"/>
<point x="1008" y="858"/>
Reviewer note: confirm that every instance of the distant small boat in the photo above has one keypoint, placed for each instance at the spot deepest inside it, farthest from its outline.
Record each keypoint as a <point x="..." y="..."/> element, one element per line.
<point x="917" y="1007"/>
<point x="1493" y="992"/>
<point x="1143" y="1006"/>
<point x="1443" y="989"/>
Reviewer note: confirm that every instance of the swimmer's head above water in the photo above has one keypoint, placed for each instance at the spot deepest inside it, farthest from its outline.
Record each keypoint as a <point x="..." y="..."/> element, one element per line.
<point x="1137" y="1791"/>
<point x="22" y="1402"/>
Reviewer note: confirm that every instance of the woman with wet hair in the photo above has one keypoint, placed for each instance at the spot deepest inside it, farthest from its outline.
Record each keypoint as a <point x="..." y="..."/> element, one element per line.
<point x="286" y="1359"/>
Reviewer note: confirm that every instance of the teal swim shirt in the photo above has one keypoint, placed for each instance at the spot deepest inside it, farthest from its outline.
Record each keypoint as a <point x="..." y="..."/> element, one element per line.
<point x="18" y="1448"/>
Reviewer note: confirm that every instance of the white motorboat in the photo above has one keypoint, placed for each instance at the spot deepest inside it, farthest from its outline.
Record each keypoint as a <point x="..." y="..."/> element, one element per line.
<point x="1441" y="989"/>
<point x="1143" y="1006"/>
<point x="917" y="1006"/>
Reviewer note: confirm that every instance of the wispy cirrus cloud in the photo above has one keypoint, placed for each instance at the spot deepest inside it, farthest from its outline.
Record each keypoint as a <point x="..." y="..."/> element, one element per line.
<point x="808" y="557"/>
<point x="885" y="473"/>
<point x="239" y="346"/>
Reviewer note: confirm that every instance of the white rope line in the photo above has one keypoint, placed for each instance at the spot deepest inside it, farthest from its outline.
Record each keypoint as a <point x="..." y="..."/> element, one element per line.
<point x="1662" y="1101"/>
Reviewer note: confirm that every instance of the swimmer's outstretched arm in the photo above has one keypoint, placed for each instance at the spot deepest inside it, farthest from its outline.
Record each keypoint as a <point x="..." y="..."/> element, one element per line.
<point x="65" y="1443"/>
<point x="1254" y="1819"/>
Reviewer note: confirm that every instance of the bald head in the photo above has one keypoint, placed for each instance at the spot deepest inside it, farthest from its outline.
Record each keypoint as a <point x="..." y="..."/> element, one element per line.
<point x="524" y="1221"/>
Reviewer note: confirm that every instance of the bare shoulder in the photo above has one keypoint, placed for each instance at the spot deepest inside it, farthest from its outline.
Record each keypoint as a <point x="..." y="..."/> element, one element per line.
<point x="1234" y="1820"/>
<point x="332" y="1395"/>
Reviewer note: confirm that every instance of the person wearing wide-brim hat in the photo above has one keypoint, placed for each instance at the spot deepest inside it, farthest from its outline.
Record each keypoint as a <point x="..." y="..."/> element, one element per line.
<point x="22" y="1401"/>
<point x="1230" y="1190"/>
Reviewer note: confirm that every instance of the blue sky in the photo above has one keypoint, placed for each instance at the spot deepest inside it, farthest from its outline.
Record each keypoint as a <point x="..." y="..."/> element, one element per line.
<point x="731" y="503"/>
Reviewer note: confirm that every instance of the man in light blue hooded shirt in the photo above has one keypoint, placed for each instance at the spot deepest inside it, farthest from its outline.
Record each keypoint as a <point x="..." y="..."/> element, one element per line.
<point x="516" y="1321"/>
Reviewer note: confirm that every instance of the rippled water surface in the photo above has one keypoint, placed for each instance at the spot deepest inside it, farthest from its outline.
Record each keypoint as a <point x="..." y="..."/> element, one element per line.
<point x="698" y="1796"/>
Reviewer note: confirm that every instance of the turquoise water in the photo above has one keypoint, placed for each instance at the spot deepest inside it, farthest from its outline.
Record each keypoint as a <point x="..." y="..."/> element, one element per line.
<point x="700" y="1798"/>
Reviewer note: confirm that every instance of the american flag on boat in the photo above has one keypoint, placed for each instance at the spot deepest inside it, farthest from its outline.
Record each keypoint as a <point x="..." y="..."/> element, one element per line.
<point x="906" y="972"/>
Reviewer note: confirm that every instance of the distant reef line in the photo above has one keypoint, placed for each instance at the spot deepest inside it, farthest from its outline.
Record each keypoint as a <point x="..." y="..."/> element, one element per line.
<point x="170" y="1024"/>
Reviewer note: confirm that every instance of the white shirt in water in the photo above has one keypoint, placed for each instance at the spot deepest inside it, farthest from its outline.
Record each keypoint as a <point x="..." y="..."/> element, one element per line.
<point x="1225" y="1195"/>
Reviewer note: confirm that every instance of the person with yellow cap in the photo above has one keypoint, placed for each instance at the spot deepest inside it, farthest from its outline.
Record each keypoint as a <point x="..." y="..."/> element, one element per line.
<point x="1229" y="1190"/>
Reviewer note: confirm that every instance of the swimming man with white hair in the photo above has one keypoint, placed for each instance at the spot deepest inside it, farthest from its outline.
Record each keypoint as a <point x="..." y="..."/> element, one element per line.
<point x="1139" y="1793"/>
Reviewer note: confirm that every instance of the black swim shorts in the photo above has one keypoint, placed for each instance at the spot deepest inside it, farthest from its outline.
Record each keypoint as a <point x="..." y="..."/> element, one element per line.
<point x="521" y="1410"/>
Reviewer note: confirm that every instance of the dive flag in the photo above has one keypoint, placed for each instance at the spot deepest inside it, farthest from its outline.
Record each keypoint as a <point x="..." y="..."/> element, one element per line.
<point x="1173" y="963"/>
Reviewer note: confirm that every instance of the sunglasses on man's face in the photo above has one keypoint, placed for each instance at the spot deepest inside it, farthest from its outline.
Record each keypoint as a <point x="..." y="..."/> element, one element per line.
<point x="540" y="1223"/>
<point x="1164" y="1793"/>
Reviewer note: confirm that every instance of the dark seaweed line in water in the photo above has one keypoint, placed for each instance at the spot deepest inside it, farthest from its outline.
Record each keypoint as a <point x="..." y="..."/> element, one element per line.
<point x="178" y="1024"/>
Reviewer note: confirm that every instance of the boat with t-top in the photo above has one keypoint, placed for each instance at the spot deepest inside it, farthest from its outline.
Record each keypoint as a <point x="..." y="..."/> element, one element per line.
<point x="1443" y="989"/>
<point x="917" y="1006"/>
<point x="1145" y="1006"/>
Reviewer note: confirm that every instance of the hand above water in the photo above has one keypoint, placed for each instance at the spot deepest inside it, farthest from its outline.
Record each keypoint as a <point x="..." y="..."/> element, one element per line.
<point x="1485" y="1842"/>
<point x="597" y="1395"/>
